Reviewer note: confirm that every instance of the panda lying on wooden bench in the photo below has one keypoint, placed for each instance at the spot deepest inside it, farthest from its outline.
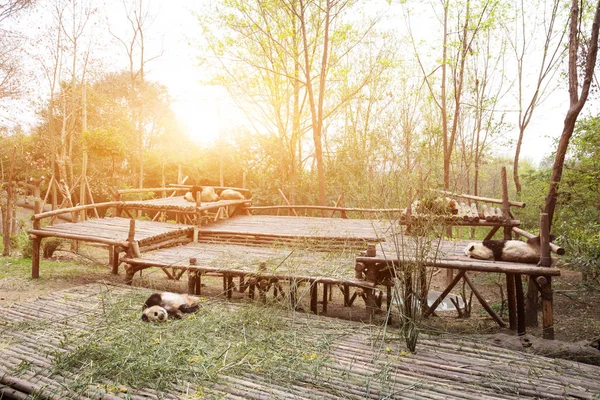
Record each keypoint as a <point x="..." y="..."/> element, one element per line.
<point x="507" y="250"/>
<point x="160" y="306"/>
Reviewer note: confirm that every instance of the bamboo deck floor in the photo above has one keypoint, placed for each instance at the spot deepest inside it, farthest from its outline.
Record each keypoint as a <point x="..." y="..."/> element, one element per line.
<point x="358" y="365"/>
<point x="116" y="229"/>
<point x="281" y="261"/>
<point x="228" y="258"/>
<point x="270" y="226"/>
<point x="175" y="202"/>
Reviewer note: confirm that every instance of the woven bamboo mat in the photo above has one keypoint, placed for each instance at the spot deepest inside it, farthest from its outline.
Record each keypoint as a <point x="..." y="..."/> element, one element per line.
<point x="359" y="365"/>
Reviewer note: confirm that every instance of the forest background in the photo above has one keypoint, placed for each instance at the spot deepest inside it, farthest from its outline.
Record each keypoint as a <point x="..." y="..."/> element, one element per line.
<point x="381" y="101"/>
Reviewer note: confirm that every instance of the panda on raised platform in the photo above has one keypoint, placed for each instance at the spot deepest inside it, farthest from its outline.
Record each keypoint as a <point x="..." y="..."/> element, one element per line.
<point x="506" y="250"/>
<point x="160" y="306"/>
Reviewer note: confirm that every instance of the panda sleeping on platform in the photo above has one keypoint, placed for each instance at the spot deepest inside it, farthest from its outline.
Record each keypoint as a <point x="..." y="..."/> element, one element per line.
<point x="507" y="250"/>
<point x="160" y="306"/>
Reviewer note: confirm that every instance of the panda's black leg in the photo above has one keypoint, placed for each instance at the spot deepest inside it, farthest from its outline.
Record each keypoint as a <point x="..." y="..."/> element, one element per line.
<point x="187" y="309"/>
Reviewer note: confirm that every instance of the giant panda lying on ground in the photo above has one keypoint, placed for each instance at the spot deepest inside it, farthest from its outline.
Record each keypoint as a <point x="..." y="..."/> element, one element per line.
<point x="507" y="250"/>
<point x="159" y="306"/>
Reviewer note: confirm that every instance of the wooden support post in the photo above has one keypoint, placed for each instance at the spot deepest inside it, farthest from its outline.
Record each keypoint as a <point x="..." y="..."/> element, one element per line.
<point x="388" y="302"/>
<point x="262" y="285"/>
<point x="229" y="286"/>
<point x="129" y="273"/>
<point x="131" y="237"/>
<point x="484" y="303"/>
<point x="35" y="256"/>
<point x="511" y="301"/>
<point x="199" y="283"/>
<point x="505" y="206"/>
<point x="531" y="304"/>
<point x="491" y="233"/>
<point x="520" y="305"/>
<point x="545" y="283"/>
<point x="346" y="291"/>
<point x="251" y="288"/>
<point x="36" y="241"/>
<point x="293" y="294"/>
<point x="192" y="275"/>
<point x="114" y="251"/>
<point x="441" y="297"/>
<point x="325" y="290"/>
<point x="314" y="289"/>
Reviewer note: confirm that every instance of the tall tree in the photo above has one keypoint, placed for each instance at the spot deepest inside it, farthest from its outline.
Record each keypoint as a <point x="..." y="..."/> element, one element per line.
<point x="134" y="42"/>
<point x="530" y="19"/>
<point x="456" y="46"/>
<point x="578" y="42"/>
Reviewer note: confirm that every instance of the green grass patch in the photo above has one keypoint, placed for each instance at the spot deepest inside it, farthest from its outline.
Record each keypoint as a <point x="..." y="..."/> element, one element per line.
<point x="13" y="267"/>
<point x="221" y="338"/>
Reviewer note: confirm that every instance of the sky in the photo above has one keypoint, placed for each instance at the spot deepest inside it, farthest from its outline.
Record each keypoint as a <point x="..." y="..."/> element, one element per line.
<point x="205" y="111"/>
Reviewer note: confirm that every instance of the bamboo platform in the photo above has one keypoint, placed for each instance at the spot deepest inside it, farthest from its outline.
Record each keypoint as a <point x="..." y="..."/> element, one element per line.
<point x="114" y="231"/>
<point x="177" y="204"/>
<point x="264" y="228"/>
<point x="358" y="364"/>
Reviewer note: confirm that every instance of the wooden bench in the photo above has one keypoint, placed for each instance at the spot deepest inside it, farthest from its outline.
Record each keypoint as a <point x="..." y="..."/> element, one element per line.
<point x="542" y="276"/>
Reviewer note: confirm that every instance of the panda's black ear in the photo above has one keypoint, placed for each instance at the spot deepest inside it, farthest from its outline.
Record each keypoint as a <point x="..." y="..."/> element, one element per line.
<point x="472" y="247"/>
<point x="551" y="238"/>
<point x="144" y="318"/>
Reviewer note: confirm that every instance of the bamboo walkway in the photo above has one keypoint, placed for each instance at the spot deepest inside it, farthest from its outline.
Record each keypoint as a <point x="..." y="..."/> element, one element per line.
<point x="358" y="366"/>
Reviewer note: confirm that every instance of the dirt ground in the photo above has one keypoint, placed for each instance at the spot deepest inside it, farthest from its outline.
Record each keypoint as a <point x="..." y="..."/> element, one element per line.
<point x="576" y="307"/>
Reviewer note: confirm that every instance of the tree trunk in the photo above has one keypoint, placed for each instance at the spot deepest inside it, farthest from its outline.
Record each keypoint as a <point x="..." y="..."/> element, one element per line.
<point x="576" y="101"/>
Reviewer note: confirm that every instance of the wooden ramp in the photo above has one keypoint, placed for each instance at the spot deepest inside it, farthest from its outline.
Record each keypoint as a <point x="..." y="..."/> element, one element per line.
<point x="264" y="228"/>
<point x="358" y="363"/>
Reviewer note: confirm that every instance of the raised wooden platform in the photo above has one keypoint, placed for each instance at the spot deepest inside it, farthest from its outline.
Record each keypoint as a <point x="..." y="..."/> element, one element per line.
<point x="114" y="231"/>
<point x="359" y="365"/>
<point x="270" y="227"/>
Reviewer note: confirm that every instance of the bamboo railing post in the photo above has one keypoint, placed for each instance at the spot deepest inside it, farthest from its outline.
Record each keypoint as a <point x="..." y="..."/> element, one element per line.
<point x="36" y="241"/>
<point x="287" y="201"/>
<point x="130" y="237"/>
<point x="546" y="282"/>
<point x="520" y="305"/>
<point x="505" y="206"/>
<point x="114" y="259"/>
<point x="511" y="301"/>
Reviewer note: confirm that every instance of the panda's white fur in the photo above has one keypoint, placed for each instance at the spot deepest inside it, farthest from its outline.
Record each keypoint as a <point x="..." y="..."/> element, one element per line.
<point x="171" y="304"/>
<point x="207" y="194"/>
<point x="230" y="194"/>
<point x="506" y="250"/>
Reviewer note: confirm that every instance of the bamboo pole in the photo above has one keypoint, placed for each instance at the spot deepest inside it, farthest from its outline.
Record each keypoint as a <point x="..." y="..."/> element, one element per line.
<point x="482" y="266"/>
<point x="329" y="208"/>
<point x="287" y="202"/>
<point x="85" y="238"/>
<point x="483" y="199"/>
<point x="555" y="248"/>
<point x="53" y="213"/>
